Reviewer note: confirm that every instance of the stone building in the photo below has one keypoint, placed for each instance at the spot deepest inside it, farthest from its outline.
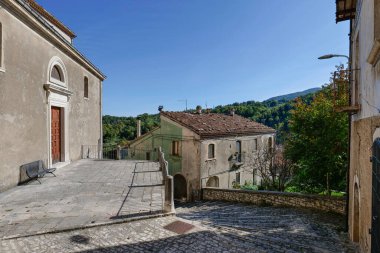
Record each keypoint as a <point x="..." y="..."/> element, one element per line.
<point x="205" y="149"/>
<point x="364" y="108"/>
<point x="50" y="94"/>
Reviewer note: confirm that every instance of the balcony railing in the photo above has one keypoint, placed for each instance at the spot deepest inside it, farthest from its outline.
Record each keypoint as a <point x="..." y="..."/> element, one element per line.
<point x="343" y="90"/>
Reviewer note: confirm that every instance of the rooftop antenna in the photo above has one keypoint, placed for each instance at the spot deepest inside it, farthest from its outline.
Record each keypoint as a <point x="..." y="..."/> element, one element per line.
<point x="184" y="100"/>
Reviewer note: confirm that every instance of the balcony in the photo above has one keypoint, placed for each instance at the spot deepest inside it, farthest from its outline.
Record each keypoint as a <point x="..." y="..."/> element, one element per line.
<point x="342" y="91"/>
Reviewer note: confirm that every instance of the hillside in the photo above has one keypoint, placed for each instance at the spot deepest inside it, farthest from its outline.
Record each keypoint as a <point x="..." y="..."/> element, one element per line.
<point x="272" y="112"/>
<point x="294" y="95"/>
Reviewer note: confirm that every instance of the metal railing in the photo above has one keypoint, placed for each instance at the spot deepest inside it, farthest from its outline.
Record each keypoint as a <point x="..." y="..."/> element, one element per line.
<point x="343" y="88"/>
<point x="111" y="152"/>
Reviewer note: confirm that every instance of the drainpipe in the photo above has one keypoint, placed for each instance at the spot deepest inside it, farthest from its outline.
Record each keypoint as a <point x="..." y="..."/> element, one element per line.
<point x="349" y="129"/>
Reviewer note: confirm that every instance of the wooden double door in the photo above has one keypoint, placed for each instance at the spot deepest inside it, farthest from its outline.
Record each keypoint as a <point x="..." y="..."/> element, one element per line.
<point x="56" y="134"/>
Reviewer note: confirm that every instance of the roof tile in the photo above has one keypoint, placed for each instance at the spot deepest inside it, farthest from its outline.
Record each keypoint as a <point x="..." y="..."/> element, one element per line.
<point x="218" y="125"/>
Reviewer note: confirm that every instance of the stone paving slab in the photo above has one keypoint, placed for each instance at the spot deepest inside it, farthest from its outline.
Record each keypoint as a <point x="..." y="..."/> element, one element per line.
<point x="86" y="192"/>
<point x="218" y="227"/>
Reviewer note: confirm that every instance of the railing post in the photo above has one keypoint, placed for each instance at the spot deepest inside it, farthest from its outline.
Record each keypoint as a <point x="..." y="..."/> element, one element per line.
<point x="118" y="152"/>
<point x="168" y="182"/>
<point x="100" y="149"/>
<point x="169" y="195"/>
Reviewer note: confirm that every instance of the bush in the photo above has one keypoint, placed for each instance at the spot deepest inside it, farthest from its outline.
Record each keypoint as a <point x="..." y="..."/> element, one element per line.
<point x="249" y="186"/>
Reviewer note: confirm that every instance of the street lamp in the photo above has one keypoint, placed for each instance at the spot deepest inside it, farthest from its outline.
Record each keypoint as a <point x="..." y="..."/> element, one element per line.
<point x="329" y="56"/>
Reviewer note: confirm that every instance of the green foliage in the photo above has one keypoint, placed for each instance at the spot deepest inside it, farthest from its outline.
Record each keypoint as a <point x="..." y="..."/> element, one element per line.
<point x="118" y="130"/>
<point x="318" y="144"/>
<point x="249" y="186"/>
<point x="271" y="113"/>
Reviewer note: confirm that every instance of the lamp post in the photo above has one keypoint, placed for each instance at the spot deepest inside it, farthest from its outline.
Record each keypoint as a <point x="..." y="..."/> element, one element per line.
<point x="329" y="56"/>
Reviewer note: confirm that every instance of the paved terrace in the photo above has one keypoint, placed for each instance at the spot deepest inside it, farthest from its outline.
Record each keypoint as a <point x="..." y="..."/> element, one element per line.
<point x="208" y="227"/>
<point x="84" y="193"/>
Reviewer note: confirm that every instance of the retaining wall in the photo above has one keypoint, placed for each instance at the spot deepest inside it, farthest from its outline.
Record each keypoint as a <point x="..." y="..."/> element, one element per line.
<point x="324" y="203"/>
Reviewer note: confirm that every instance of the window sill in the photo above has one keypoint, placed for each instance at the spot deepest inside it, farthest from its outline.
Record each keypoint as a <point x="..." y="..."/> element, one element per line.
<point x="210" y="159"/>
<point x="87" y="99"/>
<point x="2" y="69"/>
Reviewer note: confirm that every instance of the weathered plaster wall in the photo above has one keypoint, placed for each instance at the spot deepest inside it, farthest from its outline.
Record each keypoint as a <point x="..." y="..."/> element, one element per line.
<point x="225" y="148"/>
<point x="364" y="123"/>
<point x="368" y="76"/>
<point x="324" y="203"/>
<point x="361" y="174"/>
<point x="186" y="163"/>
<point x="24" y="111"/>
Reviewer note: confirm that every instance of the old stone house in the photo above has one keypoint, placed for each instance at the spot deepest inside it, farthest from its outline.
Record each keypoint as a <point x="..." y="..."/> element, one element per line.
<point x="50" y="94"/>
<point x="364" y="111"/>
<point x="205" y="149"/>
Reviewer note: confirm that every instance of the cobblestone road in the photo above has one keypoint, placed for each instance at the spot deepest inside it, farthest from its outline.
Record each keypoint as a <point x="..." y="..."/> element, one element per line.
<point x="218" y="227"/>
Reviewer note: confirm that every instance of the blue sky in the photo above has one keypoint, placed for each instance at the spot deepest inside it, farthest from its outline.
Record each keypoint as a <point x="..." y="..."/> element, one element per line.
<point x="159" y="52"/>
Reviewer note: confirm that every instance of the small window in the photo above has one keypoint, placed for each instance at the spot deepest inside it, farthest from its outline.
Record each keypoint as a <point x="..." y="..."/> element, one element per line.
<point x="148" y="156"/>
<point x="211" y="151"/>
<point x="255" y="144"/>
<point x="85" y="87"/>
<point x="56" y="73"/>
<point x="175" y="147"/>
<point x="238" y="178"/>
<point x="270" y="144"/>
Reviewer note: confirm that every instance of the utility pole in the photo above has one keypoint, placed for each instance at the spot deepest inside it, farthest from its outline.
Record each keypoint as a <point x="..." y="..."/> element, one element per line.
<point x="184" y="100"/>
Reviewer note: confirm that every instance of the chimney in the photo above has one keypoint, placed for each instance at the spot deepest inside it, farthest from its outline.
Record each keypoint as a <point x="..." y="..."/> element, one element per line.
<point x="232" y="112"/>
<point x="138" y="128"/>
<point x="199" y="109"/>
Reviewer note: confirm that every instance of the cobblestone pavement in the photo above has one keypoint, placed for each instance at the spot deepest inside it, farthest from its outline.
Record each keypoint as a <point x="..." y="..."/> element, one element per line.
<point x="271" y="229"/>
<point x="84" y="193"/>
<point x="218" y="227"/>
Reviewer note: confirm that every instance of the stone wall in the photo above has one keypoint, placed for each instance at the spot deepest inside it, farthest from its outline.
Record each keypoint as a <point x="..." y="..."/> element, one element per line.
<point x="324" y="203"/>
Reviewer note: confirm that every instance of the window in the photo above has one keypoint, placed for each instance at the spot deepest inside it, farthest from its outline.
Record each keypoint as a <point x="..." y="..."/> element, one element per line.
<point x="175" y="147"/>
<point x="56" y="73"/>
<point x="85" y="87"/>
<point x="238" y="151"/>
<point x="255" y="144"/>
<point x="270" y="144"/>
<point x="238" y="178"/>
<point x="147" y="156"/>
<point x="211" y="151"/>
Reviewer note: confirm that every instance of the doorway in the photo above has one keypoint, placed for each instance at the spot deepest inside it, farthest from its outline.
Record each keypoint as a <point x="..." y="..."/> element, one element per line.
<point x="56" y="140"/>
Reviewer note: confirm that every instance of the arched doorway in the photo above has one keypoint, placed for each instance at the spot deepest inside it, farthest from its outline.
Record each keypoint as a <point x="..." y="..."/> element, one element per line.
<point x="213" y="182"/>
<point x="180" y="187"/>
<point x="355" y="232"/>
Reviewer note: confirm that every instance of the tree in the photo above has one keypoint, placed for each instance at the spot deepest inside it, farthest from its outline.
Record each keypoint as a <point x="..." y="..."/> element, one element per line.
<point x="271" y="166"/>
<point x="318" y="141"/>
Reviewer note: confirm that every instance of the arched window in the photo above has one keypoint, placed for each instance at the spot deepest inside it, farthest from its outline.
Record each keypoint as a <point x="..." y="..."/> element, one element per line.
<point x="211" y="151"/>
<point x="212" y="182"/>
<point x="57" y="74"/>
<point x="85" y="87"/>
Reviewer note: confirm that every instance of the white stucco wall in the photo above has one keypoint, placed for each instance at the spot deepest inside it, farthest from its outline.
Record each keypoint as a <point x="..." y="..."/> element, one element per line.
<point x="225" y="148"/>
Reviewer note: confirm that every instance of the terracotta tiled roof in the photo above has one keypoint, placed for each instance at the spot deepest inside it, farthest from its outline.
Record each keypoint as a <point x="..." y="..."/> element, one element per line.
<point x="211" y="125"/>
<point x="50" y="18"/>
